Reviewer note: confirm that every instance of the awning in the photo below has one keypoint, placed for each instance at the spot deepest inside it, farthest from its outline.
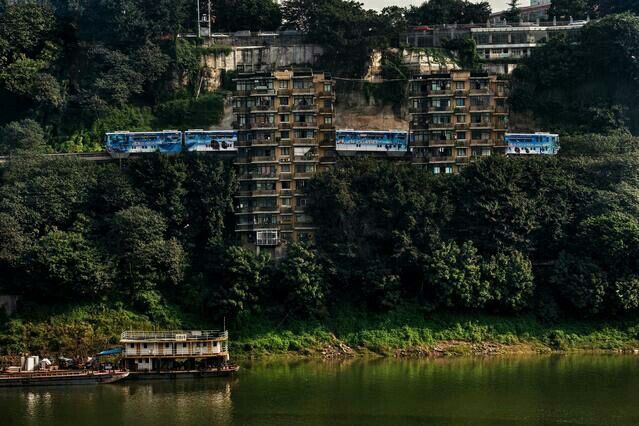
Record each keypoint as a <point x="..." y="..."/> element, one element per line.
<point x="108" y="352"/>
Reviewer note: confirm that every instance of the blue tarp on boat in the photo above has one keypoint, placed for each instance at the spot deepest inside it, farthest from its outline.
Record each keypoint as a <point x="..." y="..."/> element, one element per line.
<point x="108" y="352"/>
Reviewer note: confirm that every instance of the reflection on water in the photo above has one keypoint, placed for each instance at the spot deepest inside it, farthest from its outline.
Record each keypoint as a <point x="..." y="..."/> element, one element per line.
<point x="598" y="390"/>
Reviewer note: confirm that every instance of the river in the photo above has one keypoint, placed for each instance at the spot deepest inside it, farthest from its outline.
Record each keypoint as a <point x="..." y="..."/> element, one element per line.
<point x="566" y="390"/>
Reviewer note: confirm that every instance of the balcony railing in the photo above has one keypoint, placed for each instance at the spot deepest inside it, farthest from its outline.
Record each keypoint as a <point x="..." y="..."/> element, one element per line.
<point x="174" y="335"/>
<point x="442" y="159"/>
<point x="305" y="124"/>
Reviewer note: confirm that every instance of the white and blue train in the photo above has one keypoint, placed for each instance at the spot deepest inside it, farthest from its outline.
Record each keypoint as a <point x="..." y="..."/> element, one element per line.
<point x="171" y="141"/>
<point x="372" y="140"/>
<point x="532" y="143"/>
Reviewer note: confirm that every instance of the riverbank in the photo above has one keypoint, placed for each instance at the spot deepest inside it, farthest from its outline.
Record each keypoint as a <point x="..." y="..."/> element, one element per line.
<point x="408" y="332"/>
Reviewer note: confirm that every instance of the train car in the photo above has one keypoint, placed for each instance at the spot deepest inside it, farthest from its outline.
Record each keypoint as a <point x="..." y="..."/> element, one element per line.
<point x="532" y="143"/>
<point x="372" y="140"/>
<point x="210" y="140"/>
<point x="166" y="142"/>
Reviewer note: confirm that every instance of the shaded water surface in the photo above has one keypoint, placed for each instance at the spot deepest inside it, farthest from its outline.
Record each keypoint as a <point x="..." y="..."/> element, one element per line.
<point x="567" y="390"/>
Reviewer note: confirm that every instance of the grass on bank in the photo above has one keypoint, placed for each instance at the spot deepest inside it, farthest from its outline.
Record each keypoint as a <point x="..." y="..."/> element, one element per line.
<point x="86" y="329"/>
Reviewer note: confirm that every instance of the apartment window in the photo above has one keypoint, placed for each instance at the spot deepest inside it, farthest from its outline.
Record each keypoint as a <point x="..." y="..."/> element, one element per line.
<point x="284" y="101"/>
<point x="449" y="170"/>
<point x="131" y="345"/>
<point x="300" y="184"/>
<point x="461" y="118"/>
<point x="285" y="151"/>
<point x="283" y="84"/>
<point x="328" y="103"/>
<point x="284" y="118"/>
<point x="328" y="120"/>
<point x="286" y="168"/>
<point x="285" y="134"/>
<point x="328" y="87"/>
<point x="286" y="202"/>
<point x="184" y="345"/>
<point x="144" y="346"/>
<point x="436" y="170"/>
<point x="461" y="136"/>
<point x="459" y="85"/>
<point x="461" y="152"/>
<point x="302" y="202"/>
<point x="460" y="102"/>
<point x="166" y="345"/>
<point x="286" y="184"/>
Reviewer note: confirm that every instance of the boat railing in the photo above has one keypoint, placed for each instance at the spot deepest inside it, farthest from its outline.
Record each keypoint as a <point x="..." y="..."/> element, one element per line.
<point x="174" y="335"/>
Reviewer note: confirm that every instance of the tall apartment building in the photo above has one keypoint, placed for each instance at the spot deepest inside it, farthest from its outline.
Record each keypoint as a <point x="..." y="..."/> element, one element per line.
<point x="455" y="117"/>
<point x="286" y="133"/>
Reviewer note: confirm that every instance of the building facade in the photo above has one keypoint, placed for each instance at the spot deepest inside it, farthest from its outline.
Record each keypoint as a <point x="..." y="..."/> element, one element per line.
<point x="286" y="133"/>
<point x="455" y="117"/>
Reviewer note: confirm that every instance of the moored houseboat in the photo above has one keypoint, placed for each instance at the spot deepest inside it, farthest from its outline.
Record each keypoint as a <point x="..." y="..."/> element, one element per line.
<point x="176" y="354"/>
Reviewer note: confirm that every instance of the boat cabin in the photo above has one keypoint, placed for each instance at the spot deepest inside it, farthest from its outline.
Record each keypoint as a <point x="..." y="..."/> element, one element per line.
<point x="174" y="350"/>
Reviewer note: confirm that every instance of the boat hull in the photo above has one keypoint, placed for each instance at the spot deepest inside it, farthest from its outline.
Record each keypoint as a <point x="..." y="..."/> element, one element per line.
<point x="28" y="379"/>
<point x="176" y="375"/>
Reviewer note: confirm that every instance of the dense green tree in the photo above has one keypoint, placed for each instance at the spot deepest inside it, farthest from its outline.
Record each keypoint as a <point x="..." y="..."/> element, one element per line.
<point x="243" y="276"/>
<point x="511" y="281"/>
<point x="449" y="11"/>
<point x="455" y="274"/>
<point x="70" y="267"/>
<point x="240" y="15"/>
<point x="23" y="136"/>
<point x="570" y="87"/>
<point x="347" y="31"/>
<point x="580" y="282"/>
<point x="577" y="9"/>
<point x="146" y="260"/>
<point x="513" y="13"/>
<point x="302" y="281"/>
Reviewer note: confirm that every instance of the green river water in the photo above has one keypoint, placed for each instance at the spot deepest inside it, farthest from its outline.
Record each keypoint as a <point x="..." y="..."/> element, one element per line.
<point x="539" y="390"/>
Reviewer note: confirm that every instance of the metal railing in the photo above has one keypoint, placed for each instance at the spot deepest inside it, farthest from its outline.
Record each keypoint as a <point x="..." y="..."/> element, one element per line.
<point x="174" y="335"/>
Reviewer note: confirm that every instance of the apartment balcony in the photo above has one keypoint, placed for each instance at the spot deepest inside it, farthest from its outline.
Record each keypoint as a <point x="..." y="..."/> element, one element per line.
<point x="305" y="141"/>
<point x="257" y="176"/>
<point x="441" y="143"/>
<point x="324" y="94"/>
<point x="305" y="125"/>
<point x="262" y="108"/>
<point x="462" y="143"/>
<point x="241" y="227"/>
<point x="263" y="92"/>
<point x="462" y="160"/>
<point x="481" y="142"/>
<point x="284" y="108"/>
<point x="461" y="109"/>
<point x="441" y="109"/>
<point x="418" y="110"/>
<point x="241" y="109"/>
<point x="262" y="210"/>
<point x="305" y="158"/>
<point x="284" y="92"/>
<point x="300" y="107"/>
<point x="304" y="175"/>
<point x="257" y="193"/>
<point x="481" y="108"/>
<point x="461" y="126"/>
<point x="267" y="242"/>
<point x="481" y="91"/>
<point x="327" y="126"/>
<point x="258" y="142"/>
<point x="326" y="110"/>
<point x="304" y="90"/>
<point x="435" y="93"/>
<point x="262" y="159"/>
<point x="441" y="126"/>
<point x="501" y="110"/>
<point x="285" y="126"/>
<point x="484" y="124"/>
<point x="441" y="159"/>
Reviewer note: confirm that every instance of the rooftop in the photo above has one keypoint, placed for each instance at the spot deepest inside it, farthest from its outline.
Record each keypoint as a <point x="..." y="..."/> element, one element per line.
<point x="173" y="335"/>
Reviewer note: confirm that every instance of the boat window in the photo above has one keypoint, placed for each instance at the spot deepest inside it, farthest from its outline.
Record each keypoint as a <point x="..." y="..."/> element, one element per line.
<point x="131" y="345"/>
<point x="184" y="345"/>
<point x="144" y="345"/>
